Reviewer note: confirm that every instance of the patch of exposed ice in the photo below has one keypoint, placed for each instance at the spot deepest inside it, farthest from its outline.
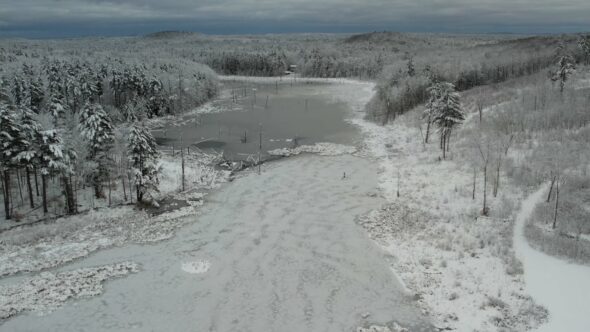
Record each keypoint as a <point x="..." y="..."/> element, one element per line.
<point x="196" y="267"/>
<point x="376" y="328"/>
<point x="48" y="291"/>
<point x="323" y="149"/>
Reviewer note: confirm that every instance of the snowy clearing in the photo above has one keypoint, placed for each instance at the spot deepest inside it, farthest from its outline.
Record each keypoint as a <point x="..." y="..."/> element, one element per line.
<point x="459" y="267"/>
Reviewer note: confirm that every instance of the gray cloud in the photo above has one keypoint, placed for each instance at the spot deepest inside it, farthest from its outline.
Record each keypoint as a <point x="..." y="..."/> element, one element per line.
<point x="20" y="16"/>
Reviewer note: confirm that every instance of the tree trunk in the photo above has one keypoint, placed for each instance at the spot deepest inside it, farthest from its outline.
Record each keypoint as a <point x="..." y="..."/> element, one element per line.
<point x="110" y="188"/>
<point x="182" y="165"/>
<point x="44" y="190"/>
<point x="36" y="181"/>
<point x="556" y="205"/>
<point x="29" y="187"/>
<point x="69" y="195"/>
<point x="485" y="190"/>
<point x="427" y="130"/>
<point x="20" y="187"/>
<point x="474" y="179"/>
<point x="480" y="109"/>
<point x="445" y="146"/>
<point x="6" y="187"/>
<point x="497" y="182"/>
<point x="551" y="188"/>
<point x="138" y="193"/>
<point x="448" y="141"/>
<point x="124" y="189"/>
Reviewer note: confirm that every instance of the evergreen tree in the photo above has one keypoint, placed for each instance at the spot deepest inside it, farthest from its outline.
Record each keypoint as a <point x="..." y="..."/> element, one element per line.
<point x="411" y="69"/>
<point x="54" y="160"/>
<point x="12" y="143"/>
<point x="446" y="111"/>
<point x="57" y="106"/>
<point x="584" y="45"/>
<point x="27" y="157"/>
<point x="96" y="127"/>
<point x="143" y="156"/>
<point x="36" y="94"/>
<point x="565" y="66"/>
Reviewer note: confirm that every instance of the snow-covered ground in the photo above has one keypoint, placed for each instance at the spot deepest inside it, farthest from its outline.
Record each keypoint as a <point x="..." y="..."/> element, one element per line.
<point x="42" y="246"/>
<point x="562" y="287"/>
<point x="48" y="291"/>
<point x="278" y="251"/>
<point x="461" y="268"/>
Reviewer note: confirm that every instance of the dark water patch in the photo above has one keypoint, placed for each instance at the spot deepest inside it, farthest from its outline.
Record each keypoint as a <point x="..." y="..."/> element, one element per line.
<point x="263" y="117"/>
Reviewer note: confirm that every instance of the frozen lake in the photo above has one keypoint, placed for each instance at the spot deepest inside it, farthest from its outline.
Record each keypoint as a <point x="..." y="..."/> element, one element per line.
<point x="284" y="114"/>
<point x="279" y="251"/>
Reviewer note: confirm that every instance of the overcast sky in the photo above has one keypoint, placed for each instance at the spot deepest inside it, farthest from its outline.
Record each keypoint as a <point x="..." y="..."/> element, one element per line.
<point x="63" y="18"/>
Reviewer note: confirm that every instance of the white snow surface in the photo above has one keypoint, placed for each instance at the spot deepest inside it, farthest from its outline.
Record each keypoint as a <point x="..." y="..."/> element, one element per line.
<point x="456" y="265"/>
<point x="196" y="267"/>
<point x="562" y="287"/>
<point x="48" y="291"/>
<point x="42" y="246"/>
<point x="285" y="253"/>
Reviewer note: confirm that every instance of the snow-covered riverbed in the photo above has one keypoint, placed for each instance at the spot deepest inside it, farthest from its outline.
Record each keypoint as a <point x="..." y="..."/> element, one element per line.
<point x="278" y="251"/>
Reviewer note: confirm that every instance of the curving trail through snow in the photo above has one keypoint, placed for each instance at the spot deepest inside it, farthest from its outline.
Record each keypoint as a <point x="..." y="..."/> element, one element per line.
<point x="562" y="287"/>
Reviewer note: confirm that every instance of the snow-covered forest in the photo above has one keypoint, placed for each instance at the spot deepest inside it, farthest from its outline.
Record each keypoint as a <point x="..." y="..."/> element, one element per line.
<point x="471" y="162"/>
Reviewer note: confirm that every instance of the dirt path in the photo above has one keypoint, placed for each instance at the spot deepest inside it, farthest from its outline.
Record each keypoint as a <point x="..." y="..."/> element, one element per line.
<point x="273" y="252"/>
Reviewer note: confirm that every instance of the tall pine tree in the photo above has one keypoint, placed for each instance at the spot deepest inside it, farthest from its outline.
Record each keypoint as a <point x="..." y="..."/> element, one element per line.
<point x="12" y="143"/>
<point x="97" y="128"/>
<point x="143" y="155"/>
<point x="446" y="111"/>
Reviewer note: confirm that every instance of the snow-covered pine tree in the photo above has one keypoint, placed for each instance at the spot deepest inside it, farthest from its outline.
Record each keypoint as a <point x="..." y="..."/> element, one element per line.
<point x="143" y="156"/>
<point x="584" y="45"/>
<point x="434" y="91"/>
<point x="446" y="111"/>
<point x="27" y="157"/>
<point x="36" y="94"/>
<point x="20" y="91"/>
<point x="97" y="128"/>
<point x="57" y="106"/>
<point x="411" y="69"/>
<point x="11" y="144"/>
<point x="565" y="64"/>
<point x="53" y="160"/>
<point x="5" y="91"/>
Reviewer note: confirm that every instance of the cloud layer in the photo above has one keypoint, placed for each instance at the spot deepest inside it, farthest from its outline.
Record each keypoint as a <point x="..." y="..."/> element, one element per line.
<point x="79" y="17"/>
